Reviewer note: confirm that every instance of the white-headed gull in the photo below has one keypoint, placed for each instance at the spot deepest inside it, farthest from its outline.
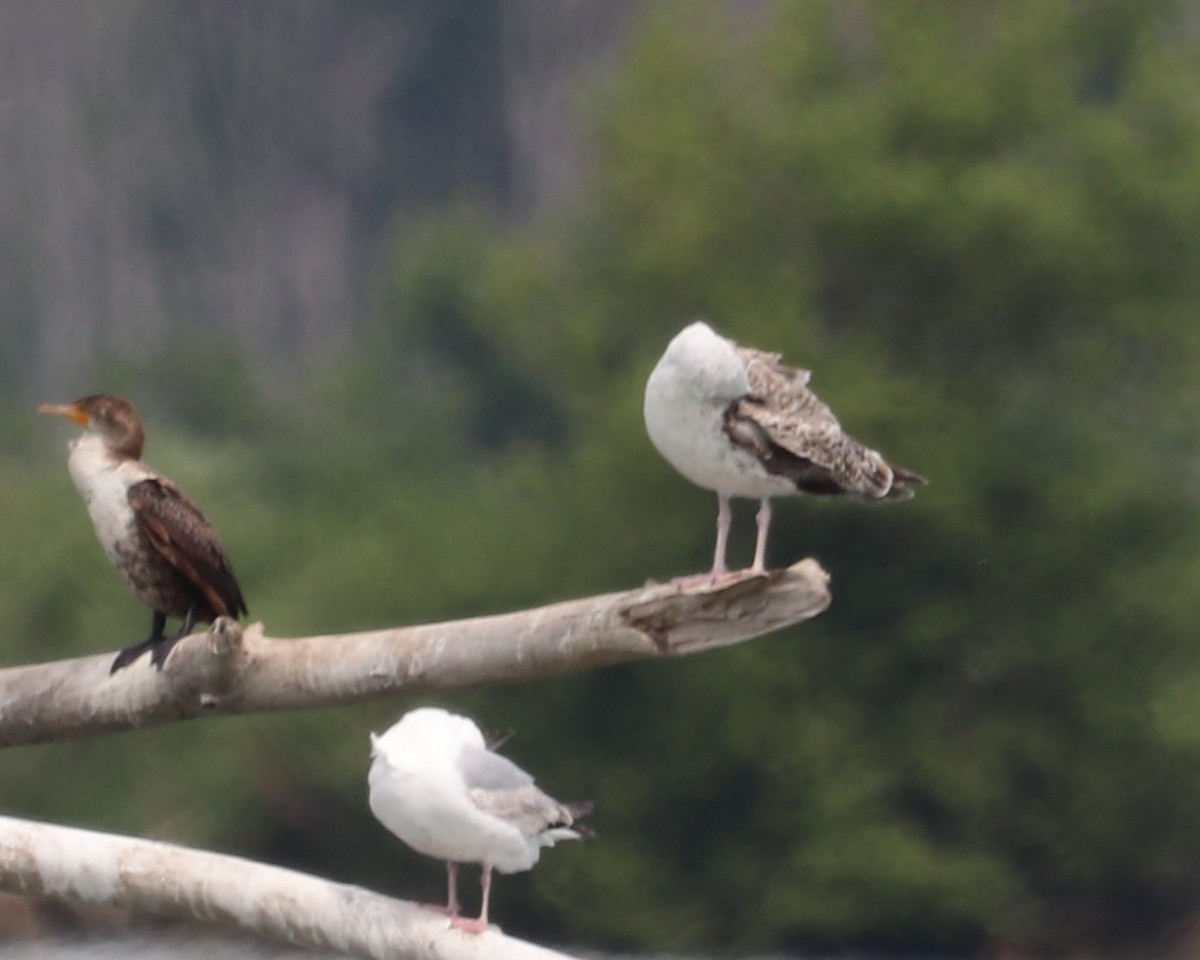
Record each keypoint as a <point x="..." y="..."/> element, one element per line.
<point x="435" y="784"/>
<point x="739" y="422"/>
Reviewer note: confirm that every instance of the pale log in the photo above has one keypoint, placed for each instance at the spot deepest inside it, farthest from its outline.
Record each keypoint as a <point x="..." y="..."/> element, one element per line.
<point x="147" y="876"/>
<point x="231" y="670"/>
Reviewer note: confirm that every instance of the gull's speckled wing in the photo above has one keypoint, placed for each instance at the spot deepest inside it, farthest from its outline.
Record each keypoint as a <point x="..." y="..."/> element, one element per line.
<point x="795" y="435"/>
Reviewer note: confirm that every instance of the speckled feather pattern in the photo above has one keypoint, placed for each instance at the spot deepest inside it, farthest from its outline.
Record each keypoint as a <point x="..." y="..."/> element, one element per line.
<point x="785" y="417"/>
<point x="741" y="423"/>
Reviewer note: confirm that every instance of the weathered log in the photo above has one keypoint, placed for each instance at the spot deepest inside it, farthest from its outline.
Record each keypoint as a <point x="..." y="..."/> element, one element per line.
<point x="231" y="669"/>
<point x="148" y="876"/>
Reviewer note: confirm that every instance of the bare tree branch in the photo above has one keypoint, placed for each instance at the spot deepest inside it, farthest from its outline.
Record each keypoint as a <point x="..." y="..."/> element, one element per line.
<point x="152" y="877"/>
<point x="232" y="670"/>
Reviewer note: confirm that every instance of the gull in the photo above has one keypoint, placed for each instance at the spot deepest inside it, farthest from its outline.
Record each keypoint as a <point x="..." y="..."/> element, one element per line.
<point x="435" y="784"/>
<point x="739" y="422"/>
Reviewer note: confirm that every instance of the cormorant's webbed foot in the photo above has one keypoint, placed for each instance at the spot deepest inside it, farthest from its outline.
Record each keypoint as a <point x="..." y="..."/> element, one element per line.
<point x="158" y="645"/>
<point x="129" y="654"/>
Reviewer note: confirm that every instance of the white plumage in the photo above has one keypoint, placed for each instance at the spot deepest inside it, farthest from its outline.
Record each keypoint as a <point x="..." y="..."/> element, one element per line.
<point x="103" y="481"/>
<point x="739" y="422"/>
<point x="436" y="786"/>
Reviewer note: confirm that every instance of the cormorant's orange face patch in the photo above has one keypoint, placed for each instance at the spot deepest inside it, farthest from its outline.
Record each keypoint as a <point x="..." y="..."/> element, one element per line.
<point x="72" y="411"/>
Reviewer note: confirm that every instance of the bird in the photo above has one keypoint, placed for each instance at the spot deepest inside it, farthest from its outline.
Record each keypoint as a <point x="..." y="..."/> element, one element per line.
<point x="738" y="421"/>
<point x="151" y="531"/>
<point x="436" y="785"/>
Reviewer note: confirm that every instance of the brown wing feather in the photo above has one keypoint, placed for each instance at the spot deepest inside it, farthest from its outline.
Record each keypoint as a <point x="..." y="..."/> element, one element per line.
<point x="797" y="436"/>
<point x="178" y="531"/>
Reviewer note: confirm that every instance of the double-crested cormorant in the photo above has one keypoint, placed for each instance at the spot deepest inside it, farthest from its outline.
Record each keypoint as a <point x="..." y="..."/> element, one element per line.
<point x="152" y="531"/>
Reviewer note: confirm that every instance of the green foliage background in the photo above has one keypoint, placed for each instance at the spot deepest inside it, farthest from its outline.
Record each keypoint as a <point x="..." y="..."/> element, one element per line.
<point x="980" y="226"/>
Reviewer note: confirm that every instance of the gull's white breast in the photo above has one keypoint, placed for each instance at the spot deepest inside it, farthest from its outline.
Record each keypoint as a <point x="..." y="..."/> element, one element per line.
<point x="103" y="482"/>
<point x="687" y="395"/>
<point x="432" y="812"/>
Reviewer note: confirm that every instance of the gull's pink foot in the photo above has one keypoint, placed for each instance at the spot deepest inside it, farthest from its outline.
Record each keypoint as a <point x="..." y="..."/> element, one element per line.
<point x="468" y="925"/>
<point x="713" y="578"/>
<point x="710" y="579"/>
<point x="479" y="924"/>
<point x="720" y="573"/>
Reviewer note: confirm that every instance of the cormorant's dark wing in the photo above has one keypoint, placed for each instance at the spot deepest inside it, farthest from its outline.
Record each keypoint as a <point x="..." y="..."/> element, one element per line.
<point x="176" y="528"/>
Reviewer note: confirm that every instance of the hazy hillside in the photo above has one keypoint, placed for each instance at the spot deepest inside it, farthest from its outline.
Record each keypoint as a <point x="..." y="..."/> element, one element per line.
<point x="181" y="171"/>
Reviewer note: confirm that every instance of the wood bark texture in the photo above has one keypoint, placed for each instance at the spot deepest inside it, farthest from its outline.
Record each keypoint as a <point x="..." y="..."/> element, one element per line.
<point x="152" y="877"/>
<point x="230" y="669"/>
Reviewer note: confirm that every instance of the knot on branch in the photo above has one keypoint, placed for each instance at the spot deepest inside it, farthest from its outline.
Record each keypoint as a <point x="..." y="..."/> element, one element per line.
<point x="224" y="638"/>
<point x="205" y="677"/>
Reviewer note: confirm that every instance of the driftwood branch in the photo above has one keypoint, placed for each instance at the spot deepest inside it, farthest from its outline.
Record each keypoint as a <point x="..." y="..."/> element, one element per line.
<point x="231" y="670"/>
<point x="160" y="878"/>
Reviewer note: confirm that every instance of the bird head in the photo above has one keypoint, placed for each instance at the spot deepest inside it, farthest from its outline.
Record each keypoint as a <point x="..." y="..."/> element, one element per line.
<point x="709" y="362"/>
<point x="112" y="418"/>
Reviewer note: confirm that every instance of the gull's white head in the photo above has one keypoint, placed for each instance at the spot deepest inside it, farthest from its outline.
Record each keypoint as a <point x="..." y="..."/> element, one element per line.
<point x="426" y="731"/>
<point x="709" y="362"/>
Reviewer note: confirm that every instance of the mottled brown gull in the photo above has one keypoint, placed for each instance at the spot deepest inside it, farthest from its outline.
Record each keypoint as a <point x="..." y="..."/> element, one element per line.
<point x="739" y="422"/>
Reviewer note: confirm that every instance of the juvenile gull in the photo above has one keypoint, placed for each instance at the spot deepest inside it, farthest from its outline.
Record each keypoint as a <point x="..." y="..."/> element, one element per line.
<point x="739" y="422"/>
<point x="435" y="784"/>
<point x="151" y="531"/>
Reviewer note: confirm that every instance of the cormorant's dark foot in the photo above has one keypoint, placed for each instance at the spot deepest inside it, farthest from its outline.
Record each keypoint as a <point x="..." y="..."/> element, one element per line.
<point x="129" y="654"/>
<point x="157" y="624"/>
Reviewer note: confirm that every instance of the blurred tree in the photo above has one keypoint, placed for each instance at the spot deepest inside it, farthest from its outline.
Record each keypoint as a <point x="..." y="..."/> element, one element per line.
<point x="965" y="220"/>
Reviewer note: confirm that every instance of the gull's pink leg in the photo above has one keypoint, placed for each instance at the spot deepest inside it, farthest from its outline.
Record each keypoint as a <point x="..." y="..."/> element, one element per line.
<point x="724" y="519"/>
<point x="452" y="888"/>
<point x="451" y="907"/>
<point x="760" y="547"/>
<point x="719" y="570"/>
<point x="481" y="924"/>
